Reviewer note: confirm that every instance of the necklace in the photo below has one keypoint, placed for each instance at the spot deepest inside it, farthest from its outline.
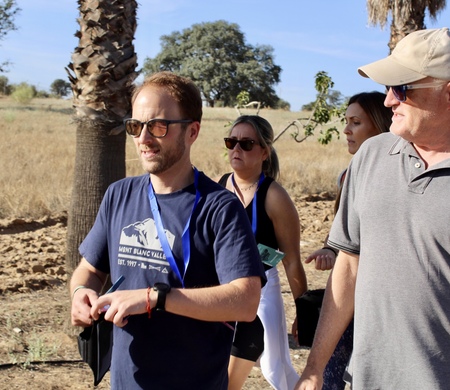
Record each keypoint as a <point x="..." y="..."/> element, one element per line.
<point x="249" y="187"/>
<point x="255" y="195"/>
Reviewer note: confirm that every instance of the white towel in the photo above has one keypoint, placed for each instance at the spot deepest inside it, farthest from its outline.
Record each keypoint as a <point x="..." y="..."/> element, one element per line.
<point x="275" y="361"/>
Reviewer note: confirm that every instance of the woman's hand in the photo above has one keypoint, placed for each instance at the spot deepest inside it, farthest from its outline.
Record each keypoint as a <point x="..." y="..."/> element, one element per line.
<point x="325" y="259"/>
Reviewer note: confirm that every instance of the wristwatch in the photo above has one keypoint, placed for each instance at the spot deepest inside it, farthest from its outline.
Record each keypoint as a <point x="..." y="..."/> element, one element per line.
<point x="162" y="289"/>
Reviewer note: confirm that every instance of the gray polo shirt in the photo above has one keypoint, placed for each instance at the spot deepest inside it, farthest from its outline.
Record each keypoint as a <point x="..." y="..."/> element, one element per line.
<point x="395" y="214"/>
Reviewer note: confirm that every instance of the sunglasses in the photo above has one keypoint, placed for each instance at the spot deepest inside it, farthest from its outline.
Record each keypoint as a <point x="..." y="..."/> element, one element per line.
<point x="245" y="144"/>
<point x="157" y="128"/>
<point x="399" y="91"/>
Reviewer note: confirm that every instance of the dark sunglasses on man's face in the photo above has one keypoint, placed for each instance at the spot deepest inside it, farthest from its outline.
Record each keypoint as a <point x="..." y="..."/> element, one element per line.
<point x="245" y="144"/>
<point x="399" y="91"/>
<point x="157" y="128"/>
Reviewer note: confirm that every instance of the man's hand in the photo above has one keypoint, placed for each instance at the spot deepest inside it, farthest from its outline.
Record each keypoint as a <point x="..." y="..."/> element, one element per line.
<point x="309" y="380"/>
<point x="82" y="301"/>
<point x="119" y="305"/>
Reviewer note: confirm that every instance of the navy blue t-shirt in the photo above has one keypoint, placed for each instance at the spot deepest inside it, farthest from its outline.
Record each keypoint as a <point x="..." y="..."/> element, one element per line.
<point x="170" y="351"/>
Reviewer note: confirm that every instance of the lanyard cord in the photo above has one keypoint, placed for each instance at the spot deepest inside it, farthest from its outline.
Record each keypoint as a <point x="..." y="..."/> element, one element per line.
<point x="186" y="242"/>
<point x="254" y="217"/>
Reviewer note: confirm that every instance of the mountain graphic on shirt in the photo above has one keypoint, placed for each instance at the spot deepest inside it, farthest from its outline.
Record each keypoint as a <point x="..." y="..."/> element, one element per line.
<point x="144" y="234"/>
<point x="139" y="242"/>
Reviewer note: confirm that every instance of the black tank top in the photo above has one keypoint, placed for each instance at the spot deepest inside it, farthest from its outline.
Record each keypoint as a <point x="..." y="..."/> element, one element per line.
<point x="265" y="232"/>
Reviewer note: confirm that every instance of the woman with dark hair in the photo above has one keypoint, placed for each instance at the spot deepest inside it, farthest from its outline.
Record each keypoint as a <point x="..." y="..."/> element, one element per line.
<point x="276" y="225"/>
<point x="366" y="116"/>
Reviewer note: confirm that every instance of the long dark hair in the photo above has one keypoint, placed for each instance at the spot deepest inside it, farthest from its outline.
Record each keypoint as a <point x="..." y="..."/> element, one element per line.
<point x="381" y="116"/>
<point x="373" y="105"/>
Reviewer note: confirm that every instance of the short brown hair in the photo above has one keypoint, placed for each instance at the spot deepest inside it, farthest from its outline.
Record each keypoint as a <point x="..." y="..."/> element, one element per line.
<point x="181" y="89"/>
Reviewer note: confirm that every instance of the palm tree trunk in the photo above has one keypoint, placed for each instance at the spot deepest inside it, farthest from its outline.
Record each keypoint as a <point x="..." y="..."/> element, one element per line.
<point x="101" y="74"/>
<point x="99" y="161"/>
<point x="407" y="16"/>
<point x="402" y="26"/>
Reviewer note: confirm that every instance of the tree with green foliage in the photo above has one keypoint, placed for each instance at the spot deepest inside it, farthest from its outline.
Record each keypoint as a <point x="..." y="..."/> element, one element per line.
<point x="332" y="99"/>
<point x="215" y="56"/>
<point x="60" y="88"/>
<point x="325" y="113"/>
<point x="8" y="11"/>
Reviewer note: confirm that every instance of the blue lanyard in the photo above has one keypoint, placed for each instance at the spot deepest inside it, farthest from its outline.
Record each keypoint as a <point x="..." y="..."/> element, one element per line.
<point x="185" y="238"/>
<point x="255" y="197"/>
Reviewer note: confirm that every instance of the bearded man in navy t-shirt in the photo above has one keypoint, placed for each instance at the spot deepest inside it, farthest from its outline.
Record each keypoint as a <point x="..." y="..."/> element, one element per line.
<point x="185" y="247"/>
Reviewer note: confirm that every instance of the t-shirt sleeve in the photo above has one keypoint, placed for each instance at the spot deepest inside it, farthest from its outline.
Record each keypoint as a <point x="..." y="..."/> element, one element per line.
<point x="344" y="234"/>
<point x="236" y="252"/>
<point x="94" y="247"/>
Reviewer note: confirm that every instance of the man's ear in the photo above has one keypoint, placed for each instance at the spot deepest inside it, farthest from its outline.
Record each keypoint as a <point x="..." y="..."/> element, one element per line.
<point x="193" y="131"/>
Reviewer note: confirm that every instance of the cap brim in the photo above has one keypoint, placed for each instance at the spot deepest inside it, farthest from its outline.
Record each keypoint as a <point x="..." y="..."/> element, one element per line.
<point x="389" y="72"/>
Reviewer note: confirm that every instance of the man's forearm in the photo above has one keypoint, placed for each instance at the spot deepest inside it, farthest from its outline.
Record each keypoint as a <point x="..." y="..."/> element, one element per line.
<point x="337" y="310"/>
<point x="85" y="276"/>
<point x="236" y="301"/>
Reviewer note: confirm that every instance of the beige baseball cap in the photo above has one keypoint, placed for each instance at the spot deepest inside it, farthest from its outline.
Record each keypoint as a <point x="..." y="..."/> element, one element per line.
<point x="423" y="53"/>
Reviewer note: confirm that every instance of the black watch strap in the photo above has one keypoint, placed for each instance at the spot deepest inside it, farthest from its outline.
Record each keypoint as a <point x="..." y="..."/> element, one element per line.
<point x="162" y="289"/>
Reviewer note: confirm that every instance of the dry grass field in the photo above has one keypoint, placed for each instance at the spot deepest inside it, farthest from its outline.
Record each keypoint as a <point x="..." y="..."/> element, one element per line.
<point x="37" y="159"/>
<point x="38" y="147"/>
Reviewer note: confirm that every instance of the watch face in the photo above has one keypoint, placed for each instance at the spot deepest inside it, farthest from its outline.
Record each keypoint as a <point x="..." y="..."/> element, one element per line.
<point x="162" y="287"/>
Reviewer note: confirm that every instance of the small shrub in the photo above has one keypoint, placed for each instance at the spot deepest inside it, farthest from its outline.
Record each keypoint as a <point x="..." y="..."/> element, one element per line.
<point x="9" y="116"/>
<point x="23" y="93"/>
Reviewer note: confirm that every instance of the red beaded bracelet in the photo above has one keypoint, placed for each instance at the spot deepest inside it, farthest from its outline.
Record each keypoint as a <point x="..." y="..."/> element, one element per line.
<point x="149" y="309"/>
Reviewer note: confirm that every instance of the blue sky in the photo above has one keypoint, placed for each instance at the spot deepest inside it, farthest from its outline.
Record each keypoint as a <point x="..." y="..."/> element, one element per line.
<point x="307" y="37"/>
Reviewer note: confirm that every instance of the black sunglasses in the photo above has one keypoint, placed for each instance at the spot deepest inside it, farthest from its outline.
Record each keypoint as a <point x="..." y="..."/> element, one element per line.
<point x="157" y="128"/>
<point x="245" y="144"/>
<point x="399" y="91"/>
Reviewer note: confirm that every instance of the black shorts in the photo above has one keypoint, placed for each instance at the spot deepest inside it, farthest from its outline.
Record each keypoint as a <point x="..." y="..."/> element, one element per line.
<point x="248" y="340"/>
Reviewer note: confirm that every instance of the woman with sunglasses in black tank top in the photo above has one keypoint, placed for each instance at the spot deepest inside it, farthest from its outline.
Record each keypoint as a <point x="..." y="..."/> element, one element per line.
<point x="276" y="225"/>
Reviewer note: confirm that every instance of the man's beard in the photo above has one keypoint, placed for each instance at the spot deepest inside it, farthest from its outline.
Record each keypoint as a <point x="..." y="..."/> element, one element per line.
<point x="167" y="158"/>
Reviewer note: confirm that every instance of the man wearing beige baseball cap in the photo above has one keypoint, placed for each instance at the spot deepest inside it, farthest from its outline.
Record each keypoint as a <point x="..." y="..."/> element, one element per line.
<point x="392" y="233"/>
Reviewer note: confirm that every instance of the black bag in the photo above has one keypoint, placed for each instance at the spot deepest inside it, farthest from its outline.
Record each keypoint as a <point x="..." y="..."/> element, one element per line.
<point x="308" y="311"/>
<point x="95" y="347"/>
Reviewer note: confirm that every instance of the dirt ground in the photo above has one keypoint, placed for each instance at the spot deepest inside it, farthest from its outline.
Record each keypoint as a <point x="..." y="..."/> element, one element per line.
<point x="37" y="343"/>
